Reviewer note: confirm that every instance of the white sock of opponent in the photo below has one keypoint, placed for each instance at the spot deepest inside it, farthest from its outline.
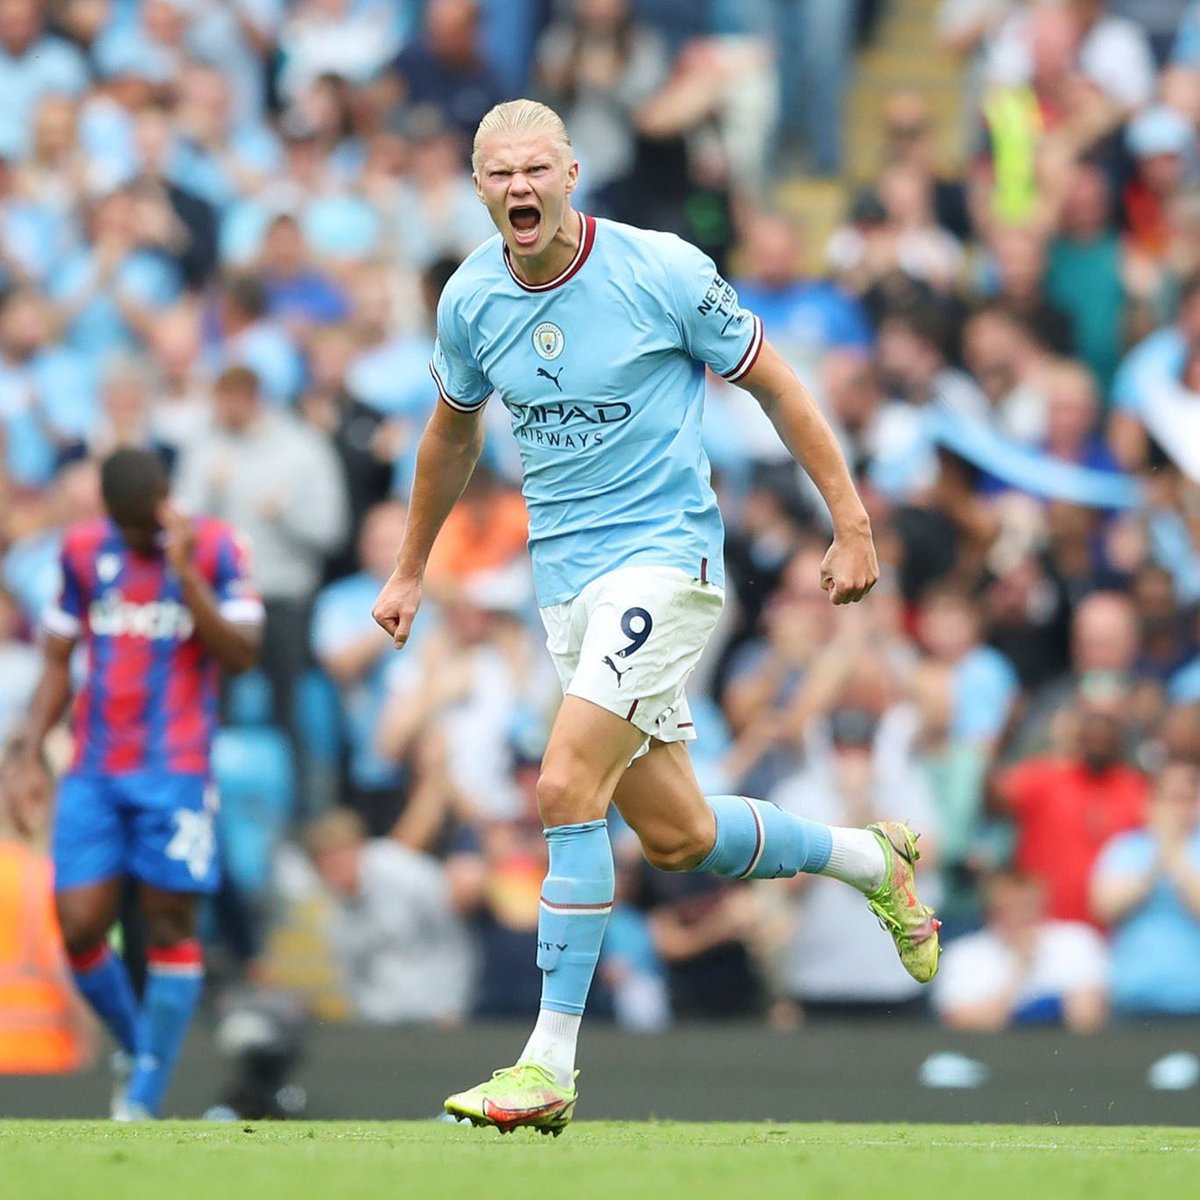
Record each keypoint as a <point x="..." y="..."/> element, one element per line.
<point x="552" y="1044"/>
<point x="857" y="858"/>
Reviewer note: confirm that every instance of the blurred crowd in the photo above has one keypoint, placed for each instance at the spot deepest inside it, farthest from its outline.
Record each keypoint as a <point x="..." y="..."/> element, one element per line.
<point x="224" y="229"/>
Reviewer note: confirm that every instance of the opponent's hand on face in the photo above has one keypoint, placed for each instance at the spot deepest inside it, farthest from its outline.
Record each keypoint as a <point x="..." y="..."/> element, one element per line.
<point x="849" y="569"/>
<point x="180" y="536"/>
<point x="396" y="606"/>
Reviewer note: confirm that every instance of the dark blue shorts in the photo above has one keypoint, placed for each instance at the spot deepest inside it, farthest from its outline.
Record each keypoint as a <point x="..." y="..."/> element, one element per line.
<point x="157" y="828"/>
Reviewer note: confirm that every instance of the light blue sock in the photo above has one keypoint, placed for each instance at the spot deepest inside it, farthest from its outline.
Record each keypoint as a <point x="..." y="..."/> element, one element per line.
<point x="758" y="840"/>
<point x="103" y="982"/>
<point x="174" y="981"/>
<point x="577" y="897"/>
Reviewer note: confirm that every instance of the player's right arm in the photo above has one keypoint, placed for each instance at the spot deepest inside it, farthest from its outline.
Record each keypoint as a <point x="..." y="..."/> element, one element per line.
<point x="446" y="456"/>
<point x="62" y="623"/>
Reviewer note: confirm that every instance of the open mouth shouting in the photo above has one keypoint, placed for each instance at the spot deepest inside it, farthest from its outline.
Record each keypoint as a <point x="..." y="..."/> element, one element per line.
<point x="526" y="222"/>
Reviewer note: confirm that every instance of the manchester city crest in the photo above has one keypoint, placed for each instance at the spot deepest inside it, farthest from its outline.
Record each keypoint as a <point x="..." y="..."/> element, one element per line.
<point x="548" y="341"/>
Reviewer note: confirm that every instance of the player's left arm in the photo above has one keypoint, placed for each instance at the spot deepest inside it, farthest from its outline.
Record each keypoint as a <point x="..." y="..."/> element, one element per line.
<point x="233" y="643"/>
<point x="850" y="568"/>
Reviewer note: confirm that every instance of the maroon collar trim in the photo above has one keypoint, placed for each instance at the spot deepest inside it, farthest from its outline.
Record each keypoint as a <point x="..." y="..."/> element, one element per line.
<point x="587" y="237"/>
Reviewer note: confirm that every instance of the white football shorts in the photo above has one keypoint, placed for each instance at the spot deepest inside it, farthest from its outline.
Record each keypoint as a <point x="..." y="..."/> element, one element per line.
<point x="629" y="641"/>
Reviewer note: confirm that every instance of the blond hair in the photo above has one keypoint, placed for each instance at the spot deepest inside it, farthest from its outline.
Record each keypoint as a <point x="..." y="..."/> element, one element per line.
<point x="517" y="117"/>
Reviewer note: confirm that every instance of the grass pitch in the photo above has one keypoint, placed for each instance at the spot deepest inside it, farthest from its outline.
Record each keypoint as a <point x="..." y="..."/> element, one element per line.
<point x="593" y="1160"/>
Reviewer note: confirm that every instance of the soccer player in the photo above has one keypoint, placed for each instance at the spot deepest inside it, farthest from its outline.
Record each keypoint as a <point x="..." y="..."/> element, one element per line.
<point x="596" y="337"/>
<point x="161" y="603"/>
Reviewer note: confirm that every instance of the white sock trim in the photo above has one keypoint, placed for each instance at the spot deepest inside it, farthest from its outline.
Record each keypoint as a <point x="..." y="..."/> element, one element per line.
<point x="857" y="858"/>
<point x="552" y="1044"/>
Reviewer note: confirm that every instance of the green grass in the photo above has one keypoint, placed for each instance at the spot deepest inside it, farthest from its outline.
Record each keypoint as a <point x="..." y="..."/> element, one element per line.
<point x="177" y="1160"/>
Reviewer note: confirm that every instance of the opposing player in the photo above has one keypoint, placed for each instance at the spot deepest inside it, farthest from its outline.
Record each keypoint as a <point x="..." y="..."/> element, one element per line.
<point x="596" y="336"/>
<point x="162" y="604"/>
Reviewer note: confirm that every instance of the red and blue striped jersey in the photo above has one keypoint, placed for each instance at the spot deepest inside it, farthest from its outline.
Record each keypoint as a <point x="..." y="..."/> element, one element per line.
<point x="149" y="698"/>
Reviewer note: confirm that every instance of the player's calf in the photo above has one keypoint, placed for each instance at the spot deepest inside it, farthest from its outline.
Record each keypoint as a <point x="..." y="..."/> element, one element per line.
<point x="174" y="983"/>
<point x="85" y="915"/>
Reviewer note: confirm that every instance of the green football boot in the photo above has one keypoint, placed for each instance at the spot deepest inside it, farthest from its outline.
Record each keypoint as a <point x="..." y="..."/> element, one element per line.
<point x="912" y="924"/>
<point x="526" y="1094"/>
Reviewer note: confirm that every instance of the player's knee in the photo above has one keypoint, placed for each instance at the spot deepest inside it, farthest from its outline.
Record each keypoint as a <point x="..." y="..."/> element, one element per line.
<point x="168" y="926"/>
<point x="564" y="796"/>
<point x="677" y="849"/>
<point x="82" y="932"/>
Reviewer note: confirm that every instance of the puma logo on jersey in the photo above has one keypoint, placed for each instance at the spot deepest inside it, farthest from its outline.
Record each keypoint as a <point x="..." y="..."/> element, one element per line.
<point x="542" y="373"/>
<point x="618" y="673"/>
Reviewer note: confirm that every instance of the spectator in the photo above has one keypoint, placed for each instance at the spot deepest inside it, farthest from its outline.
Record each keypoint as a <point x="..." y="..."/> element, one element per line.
<point x="216" y="156"/>
<point x="1084" y="276"/>
<point x="277" y="481"/>
<point x="1103" y="646"/>
<point x="767" y="673"/>
<point x="33" y="64"/>
<point x="1066" y="806"/>
<point x="816" y="51"/>
<point x="484" y="534"/>
<point x="401" y="944"/>
<point x="804" y="318"/>
<point x="474" y="678"/>
<point x="48" y="390"/>
<point x="124" y="418"/>
<point x="443" y="67"/>
<point x="367" y="444"/>
<point x="1006" y="360"/>
<point x="334" y="37"/>
<point x="54" y="175"/>
<point x="908" y="128"/>
<point x="596" y="67"/>
<point x="1073" y="418"/>
<point x="442" y="216"/>
<point x="835" y="960"/>
<point x="1151" y="374"/>
<point x="350" y="647"/>
<point x="1146" y="887"/>
<point x="181" y="411"/>
<point x="250" y="338"/>
<point x="34" y="536"/>
<point x="704" y="930"/>
<point x="1019" y="254"/>
<point x="1161" y="142"/>
<point x="43" y="1029"/>
<point x="1023" y="968"/>
<point x="109" y="290"/>
<point x="298" y="295"/>
<point x="984" y="686"/>
<point x="20" y="667"/>
<point x="496" y="869"/>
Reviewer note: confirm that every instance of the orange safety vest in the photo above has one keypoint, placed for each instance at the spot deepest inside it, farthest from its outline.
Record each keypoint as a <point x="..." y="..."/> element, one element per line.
<point x="37" y="1035"/>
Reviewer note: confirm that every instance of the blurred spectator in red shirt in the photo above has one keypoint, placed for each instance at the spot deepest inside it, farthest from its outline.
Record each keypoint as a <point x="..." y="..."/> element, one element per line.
<point x="1066" y="806"/>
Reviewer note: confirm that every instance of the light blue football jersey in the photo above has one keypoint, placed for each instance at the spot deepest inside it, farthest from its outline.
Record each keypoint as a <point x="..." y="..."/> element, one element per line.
<point x="602" y="371"/>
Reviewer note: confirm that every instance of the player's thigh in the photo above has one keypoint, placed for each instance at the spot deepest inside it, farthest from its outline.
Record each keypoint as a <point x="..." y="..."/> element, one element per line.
<point x="90" y="841"/>
<point x="86" y="913"/>
<point x="173" y="844"/>
<point x="661" y="801"/>
<point x="588" y="749"/>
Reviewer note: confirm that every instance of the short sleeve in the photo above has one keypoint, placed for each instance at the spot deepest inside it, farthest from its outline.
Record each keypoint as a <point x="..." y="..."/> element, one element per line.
<point x="64" y="617"/>
<point x="460" y="382"/>
<point x="237" y="597"/>
<point x="716" y="329"/>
